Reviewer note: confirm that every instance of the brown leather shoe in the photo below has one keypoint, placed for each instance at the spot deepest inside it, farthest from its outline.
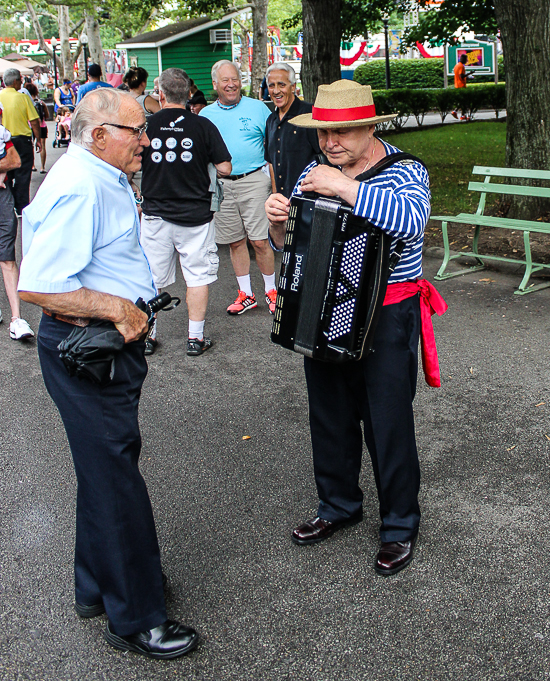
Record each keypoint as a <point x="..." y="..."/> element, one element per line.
<point x="394" y="556"/>
<point x="319" y="529"/>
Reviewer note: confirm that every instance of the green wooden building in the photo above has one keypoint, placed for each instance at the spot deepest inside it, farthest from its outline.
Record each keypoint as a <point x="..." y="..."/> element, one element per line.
<point x="193" y="45"/>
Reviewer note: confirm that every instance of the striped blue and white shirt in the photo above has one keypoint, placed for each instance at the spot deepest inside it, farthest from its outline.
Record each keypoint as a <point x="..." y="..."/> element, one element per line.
<point x="398" y="201"/>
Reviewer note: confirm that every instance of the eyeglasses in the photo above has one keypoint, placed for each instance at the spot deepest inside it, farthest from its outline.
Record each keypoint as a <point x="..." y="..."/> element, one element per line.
<point x="137" y="131"/>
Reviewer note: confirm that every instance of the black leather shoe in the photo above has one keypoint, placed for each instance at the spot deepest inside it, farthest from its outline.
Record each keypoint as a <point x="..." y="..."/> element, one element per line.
<point x="394" y="556"/>
<point x="89" y="610"/>
<point x="319" y="529"/>
<point x="165" y="642"/>
<point x="97" y="609"/>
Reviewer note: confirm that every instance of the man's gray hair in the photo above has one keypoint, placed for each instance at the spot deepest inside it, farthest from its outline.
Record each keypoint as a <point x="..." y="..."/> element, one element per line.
<point x="98" y="106"/>
<point x="11" y="76"/>
<point x="283" y="66"/>
<point x="174" y="84"/>
<point x="224" y="62"/>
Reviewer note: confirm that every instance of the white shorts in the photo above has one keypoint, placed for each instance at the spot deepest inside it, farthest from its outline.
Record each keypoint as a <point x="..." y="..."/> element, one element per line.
<point x="162" y="241"/>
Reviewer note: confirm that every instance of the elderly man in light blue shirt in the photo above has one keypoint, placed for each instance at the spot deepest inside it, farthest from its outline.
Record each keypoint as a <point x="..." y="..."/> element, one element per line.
<point x="82" y="261"/>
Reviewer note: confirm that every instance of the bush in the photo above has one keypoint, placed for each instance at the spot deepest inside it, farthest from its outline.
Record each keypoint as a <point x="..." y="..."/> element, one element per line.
<point x="412" y="73"/>
<point x="444" y="101"/>
<point x="407" y="102"/>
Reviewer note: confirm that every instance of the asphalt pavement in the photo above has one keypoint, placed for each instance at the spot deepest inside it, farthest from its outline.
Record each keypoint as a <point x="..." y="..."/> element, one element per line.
<point x="472" y="605"/>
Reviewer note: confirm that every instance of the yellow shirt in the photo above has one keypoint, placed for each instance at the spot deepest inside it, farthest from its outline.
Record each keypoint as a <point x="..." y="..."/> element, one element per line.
<point x="17" y="110"/>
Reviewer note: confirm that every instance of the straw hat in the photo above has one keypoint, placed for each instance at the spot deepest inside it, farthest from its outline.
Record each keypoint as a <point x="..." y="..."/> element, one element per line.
<point x="342" y="104"/>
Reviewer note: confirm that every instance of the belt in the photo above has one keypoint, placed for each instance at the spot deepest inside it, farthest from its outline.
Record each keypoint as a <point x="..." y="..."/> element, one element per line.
<point x="76" y="321"/>
<point x="240" y="177"/>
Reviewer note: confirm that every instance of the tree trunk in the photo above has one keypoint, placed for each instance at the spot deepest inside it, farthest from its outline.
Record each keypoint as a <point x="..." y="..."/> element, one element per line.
<point x="259" y="51"/>
<point x="38" y="28"/>
<point x="525" y="31"/>
<point x="322" y="34"/>
<point x="95" y="47"/>
<point x="66" y="61"/>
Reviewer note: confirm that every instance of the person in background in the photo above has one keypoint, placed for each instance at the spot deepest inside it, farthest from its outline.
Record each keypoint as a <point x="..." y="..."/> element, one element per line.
<point x="197" y="102"/>
<point x="63" y="120"/>
<point x="63" y="95"/>
<point x="155" y="93"/>
<point x="461" y="78"/>
<point x="136" y="79"/>
<point x="241" y="122"/>
<point x="94" y="81"/>
<point x="263" y="92"/>
<point x="9" y="162"/>
<point x="177" y="202"/>
<point x="42" y="111"/>
<point x="288" y="148"/>
<point x="18" y="113"/>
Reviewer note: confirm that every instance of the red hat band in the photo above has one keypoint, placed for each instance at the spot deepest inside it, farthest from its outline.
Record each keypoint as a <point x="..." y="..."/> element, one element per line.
<point x="355" y="113"/>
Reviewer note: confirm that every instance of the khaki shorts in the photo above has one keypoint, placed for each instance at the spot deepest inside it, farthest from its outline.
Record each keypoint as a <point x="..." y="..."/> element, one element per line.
<point x="163" y="241"/>
<point x="243" y="212"/>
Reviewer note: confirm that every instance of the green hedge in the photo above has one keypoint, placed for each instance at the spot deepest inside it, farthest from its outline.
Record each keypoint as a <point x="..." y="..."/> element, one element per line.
<point x="412" y="73"/>
<point x="406" y="102"/>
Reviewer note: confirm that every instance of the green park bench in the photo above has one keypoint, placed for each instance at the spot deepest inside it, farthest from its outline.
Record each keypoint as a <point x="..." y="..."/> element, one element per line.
<point x="480" y="220"/>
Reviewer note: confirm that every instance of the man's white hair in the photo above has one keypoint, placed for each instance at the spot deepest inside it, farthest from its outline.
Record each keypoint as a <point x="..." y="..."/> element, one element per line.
<point x="283" y="66"/>
<point x="97" y="107"/>
<point x="12" y="76"/>
<point x="224" y="62"/>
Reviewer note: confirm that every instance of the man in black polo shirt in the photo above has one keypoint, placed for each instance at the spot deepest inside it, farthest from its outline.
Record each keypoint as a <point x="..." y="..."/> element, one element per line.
<point x="287" y="148"/>
<point x="177" y="214"/>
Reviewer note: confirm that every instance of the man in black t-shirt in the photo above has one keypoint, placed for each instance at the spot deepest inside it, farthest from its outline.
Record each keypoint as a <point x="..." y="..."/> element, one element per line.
<point x="177" y="195"/>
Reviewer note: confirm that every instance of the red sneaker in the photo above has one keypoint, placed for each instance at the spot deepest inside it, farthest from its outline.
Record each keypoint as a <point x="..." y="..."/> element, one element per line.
<point x="271" y="299"/>
<point x="242" y="304"/>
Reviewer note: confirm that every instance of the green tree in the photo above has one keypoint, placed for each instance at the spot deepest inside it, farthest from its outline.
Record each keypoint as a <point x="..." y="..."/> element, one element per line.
<point x="326" y="22"/>
<point x="524" y="27"/>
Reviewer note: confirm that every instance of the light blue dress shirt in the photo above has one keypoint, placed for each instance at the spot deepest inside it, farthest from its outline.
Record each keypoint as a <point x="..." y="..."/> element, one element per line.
<point x="82" y="230"/>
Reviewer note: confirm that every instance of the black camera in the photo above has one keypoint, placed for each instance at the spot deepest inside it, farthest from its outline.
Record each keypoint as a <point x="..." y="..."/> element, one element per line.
<point x="162" y="301"/>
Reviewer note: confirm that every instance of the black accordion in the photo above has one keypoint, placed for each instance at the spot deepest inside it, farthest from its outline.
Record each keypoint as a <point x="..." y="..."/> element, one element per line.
<point x="334" y="273"/>
<point x="332" y="283"/>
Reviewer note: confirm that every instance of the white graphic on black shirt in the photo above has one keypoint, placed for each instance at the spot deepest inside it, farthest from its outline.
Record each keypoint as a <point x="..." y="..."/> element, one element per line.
<point x="156" y="157"/>
<point x="173" y="123"/>
<point x="171" y="142"/>
<point x="187" y="143"/>
<point x="156" y="143"/>
<point x="170" y="156"/>
<point x="186" y="156"/>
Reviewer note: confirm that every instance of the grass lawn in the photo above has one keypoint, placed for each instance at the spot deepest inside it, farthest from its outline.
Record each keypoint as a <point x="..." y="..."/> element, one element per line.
<point x="450" y="152"/>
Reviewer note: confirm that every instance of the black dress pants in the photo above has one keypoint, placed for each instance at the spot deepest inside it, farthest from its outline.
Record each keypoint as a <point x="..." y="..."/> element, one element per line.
<point x="379" y="391"/>
<point x="20" y="178"/>
<point x="117" y="558"/>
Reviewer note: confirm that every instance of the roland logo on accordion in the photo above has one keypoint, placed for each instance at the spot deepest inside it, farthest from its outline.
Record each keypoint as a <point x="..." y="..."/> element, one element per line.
<point x="334" y="273"/>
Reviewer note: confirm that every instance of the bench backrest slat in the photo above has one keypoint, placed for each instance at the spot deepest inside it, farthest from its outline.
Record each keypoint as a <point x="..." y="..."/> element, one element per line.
<point x="517" y="190"/>
<point x="512" y="172"/>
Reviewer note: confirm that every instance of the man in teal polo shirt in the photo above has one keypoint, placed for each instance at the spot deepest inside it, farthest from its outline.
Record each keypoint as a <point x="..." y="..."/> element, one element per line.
<point x="241" y="122"/>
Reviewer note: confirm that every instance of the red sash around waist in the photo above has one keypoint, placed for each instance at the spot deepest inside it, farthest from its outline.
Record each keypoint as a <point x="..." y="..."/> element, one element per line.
<point x="430" y="302"/>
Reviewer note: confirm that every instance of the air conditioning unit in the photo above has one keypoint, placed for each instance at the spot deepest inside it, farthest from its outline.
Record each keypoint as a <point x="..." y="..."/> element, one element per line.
<point x="220" y="35"/>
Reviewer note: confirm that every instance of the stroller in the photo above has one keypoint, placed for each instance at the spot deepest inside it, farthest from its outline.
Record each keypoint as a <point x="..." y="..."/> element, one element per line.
<point x="62" y="130"/>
